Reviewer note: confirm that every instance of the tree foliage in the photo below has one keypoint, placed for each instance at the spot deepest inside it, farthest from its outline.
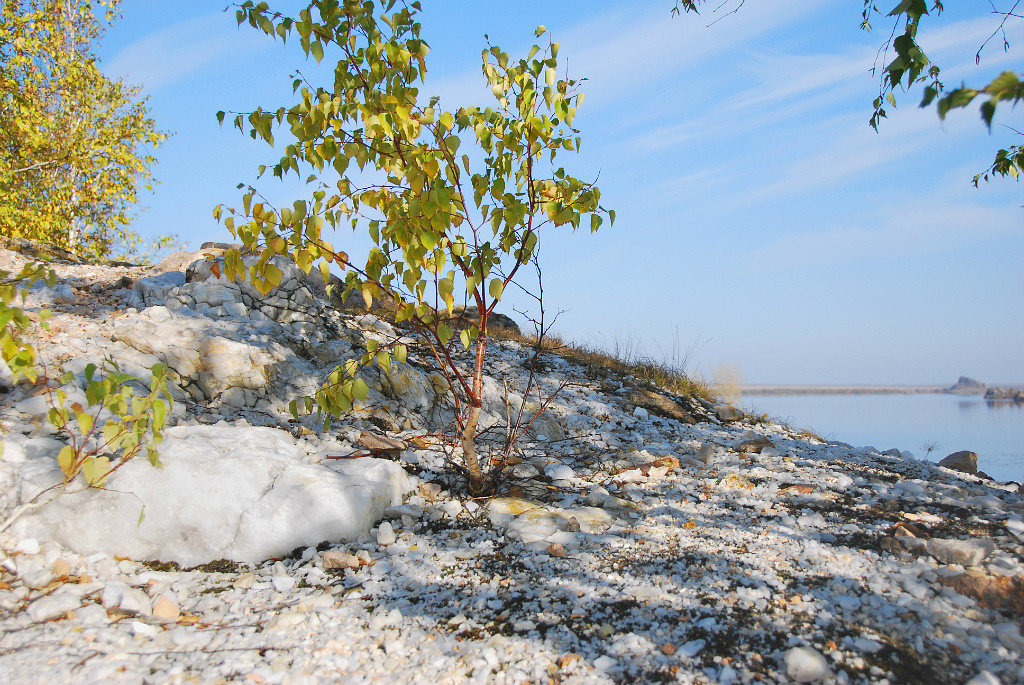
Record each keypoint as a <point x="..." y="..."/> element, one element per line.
<point x="75" y="145"/>
<point x="904" y="65"/>
<point x="15" y="350"/>
<point x="454" y="201"/>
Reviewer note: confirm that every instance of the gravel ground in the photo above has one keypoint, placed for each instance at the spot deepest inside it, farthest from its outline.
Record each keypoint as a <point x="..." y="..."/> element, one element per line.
<point x="637" y="548"/>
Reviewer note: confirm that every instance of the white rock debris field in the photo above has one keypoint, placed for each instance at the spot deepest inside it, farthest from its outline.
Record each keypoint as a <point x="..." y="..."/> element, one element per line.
<point x="643" y="538"/>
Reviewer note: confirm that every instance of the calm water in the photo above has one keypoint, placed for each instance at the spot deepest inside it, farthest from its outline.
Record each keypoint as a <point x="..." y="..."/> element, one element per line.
<point x="995" y="430"/>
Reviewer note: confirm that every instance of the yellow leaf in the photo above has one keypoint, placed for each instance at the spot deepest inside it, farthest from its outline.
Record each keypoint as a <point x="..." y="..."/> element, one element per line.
<point x="85" y="422"/>
<point x="95" y="470"/>
<point x="66" y="460"/>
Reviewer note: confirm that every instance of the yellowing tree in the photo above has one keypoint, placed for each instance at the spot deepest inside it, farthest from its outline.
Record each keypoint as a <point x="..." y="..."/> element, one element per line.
<point x="74" y="144"/>
<point x="454" y="201"/>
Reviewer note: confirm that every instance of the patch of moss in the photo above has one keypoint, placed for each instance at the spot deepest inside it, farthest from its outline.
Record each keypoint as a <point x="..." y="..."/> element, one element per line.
<point x="216" y="590"/>
<point x="221" y="566"/>
<point x="218" y="566"/>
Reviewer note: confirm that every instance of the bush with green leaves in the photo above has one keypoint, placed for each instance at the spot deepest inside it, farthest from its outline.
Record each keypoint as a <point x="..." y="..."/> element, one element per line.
<point x="454" y="201"/>
<point x="116" y="423"/>
<point x="15" y="351"/>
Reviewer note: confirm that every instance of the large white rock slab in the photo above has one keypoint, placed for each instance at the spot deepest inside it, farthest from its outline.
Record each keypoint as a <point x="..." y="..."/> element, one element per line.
<point x="239" y="493"/>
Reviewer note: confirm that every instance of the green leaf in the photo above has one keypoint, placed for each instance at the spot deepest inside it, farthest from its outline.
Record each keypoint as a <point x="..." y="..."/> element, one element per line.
<point x="111" y="431"/>
<point x="988" y="110"/>
<point x="495" y="288"/>
<point x="274" y="275"/>
<point x="359" y="389"/>
<point x="901" y="8"/>
<point x="384" y="361"/>
<point x="929" y="95"/>
<point x="400" y="353"/>
<point x="159" y="413"/>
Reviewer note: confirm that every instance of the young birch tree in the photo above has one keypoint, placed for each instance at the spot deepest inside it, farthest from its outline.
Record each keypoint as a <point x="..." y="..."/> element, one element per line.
<point x="448" y="223"/>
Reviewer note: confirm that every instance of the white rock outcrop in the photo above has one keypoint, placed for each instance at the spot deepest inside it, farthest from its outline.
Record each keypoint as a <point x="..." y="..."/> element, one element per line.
<point x="224" y="492"/>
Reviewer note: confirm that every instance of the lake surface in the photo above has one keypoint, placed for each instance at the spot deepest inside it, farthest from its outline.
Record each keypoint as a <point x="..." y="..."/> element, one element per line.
<point x="946" y="423"/>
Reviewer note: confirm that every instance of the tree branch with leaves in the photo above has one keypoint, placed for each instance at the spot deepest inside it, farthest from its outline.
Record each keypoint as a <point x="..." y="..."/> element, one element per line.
<point x="902" y="64"/>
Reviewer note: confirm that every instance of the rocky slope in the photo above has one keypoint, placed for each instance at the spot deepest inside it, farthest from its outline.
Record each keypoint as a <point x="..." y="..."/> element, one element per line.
<point x="641" y="539"/>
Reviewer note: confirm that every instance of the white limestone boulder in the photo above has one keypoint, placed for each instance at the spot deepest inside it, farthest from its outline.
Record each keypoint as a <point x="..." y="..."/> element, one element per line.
<point x="415" y="390"/>
<point x="224" y="492"/>
<point x="206" y="354"/>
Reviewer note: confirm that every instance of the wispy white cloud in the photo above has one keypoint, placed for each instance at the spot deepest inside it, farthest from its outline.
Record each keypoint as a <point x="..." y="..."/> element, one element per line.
<point x="624" y="51"/>
<point x="177" y="51"/>
<point x="695" y="184"/>
<point x="789" y="85"/>
<point x="919" y="226"/>
<point x="841" y="148"/>
<point x="823" y="155"/>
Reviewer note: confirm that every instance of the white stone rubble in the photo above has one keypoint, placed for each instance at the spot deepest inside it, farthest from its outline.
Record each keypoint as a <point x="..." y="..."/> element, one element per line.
<point x="809" y="561"/>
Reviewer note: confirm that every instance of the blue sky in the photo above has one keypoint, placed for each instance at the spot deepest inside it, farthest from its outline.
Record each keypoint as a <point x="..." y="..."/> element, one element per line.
<point x="757" y="211"/>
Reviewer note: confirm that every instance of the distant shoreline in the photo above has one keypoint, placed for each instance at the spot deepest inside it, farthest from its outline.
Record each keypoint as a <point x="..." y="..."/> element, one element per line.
<point x="752" y="390"/>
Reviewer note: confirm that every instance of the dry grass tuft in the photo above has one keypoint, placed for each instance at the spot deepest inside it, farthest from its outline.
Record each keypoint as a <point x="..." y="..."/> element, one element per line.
<point x="646" y="370"/>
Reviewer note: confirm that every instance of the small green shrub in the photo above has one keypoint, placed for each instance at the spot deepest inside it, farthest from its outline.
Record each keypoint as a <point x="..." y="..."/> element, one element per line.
<point x="115" y="425"/>
<point x="15" y="351"/>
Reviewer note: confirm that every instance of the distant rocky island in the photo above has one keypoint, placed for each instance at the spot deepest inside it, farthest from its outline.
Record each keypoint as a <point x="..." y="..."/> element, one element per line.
<point x="963" y="386"/>
<point x="967" y="386"/>
<point x="970" y="386"/>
